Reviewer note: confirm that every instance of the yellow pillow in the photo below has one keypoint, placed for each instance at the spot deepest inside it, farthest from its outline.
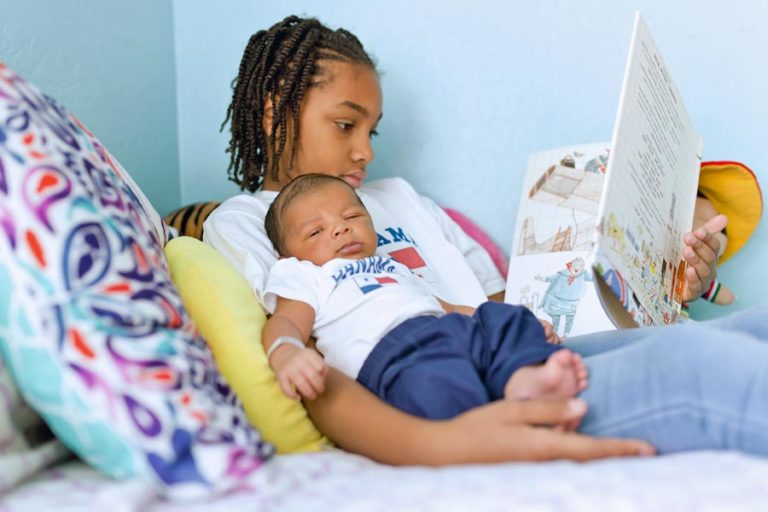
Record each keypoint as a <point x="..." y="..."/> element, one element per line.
<point x="230" y="318"/>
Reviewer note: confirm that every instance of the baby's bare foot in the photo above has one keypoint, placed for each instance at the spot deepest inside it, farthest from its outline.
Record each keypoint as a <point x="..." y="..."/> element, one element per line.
<point x="563" y="375"/>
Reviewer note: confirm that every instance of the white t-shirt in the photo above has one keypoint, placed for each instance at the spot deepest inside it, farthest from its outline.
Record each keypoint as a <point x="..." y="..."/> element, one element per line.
<point x="411" y="228"/>
<point x="356" y="302"/>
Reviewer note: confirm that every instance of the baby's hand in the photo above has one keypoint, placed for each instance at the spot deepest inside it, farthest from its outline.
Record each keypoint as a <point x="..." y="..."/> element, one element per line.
<point x="550" y="333"/>
<point x="303" y="374"/>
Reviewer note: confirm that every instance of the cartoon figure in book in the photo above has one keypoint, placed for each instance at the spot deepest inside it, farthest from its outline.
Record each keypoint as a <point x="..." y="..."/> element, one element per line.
<point x="528" y="299"/>
<point x="617" y="286"/>
<point x="565" y="290"/>
<point x="599" y="164"/>
<point x="616" y="232"/>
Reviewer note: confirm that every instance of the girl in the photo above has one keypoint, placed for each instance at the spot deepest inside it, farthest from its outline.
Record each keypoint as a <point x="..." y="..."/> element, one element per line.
<point x="308" y="99"/>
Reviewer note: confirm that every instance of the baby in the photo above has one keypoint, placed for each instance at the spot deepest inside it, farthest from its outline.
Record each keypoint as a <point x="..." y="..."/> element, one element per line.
<point x="376" y="321"/>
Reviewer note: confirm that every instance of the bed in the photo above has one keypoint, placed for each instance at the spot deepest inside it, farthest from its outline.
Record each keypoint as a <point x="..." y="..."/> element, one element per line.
<point x="335" y="480"/>
<point x="98" y="341"/>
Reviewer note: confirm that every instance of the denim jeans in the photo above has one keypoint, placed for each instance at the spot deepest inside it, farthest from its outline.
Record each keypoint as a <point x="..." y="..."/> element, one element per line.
<point x="698" y="385"/>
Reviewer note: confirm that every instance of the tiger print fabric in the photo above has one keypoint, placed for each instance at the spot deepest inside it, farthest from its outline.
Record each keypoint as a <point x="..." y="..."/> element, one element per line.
<point x="188" y="220"/>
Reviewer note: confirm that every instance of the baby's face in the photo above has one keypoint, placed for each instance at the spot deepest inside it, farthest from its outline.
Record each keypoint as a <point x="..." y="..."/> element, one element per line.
<point x="326" y="223"/>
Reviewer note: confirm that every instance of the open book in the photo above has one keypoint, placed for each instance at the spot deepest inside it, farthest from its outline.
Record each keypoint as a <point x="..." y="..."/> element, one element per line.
<point x="620" y="209"/>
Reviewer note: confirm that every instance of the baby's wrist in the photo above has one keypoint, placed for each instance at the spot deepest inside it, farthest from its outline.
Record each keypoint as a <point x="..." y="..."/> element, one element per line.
<point x="281" y="343"/>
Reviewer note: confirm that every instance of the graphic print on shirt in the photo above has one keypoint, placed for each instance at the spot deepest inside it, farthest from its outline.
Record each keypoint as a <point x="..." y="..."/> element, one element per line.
<point x="366" y="273"/>
<point x="369" y="265"/>
<point x="369" y="283"/>
<point x="401" y="247"/>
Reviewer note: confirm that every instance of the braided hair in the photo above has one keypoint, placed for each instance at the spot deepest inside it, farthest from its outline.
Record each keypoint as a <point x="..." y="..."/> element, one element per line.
<point x="279" y="65"/>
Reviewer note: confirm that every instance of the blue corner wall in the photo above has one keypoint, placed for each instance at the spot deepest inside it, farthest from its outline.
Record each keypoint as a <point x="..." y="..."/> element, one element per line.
<point x="111" y="63"/>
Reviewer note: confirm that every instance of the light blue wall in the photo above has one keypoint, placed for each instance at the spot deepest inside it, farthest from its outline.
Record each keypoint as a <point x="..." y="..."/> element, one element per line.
<point x="471" y="88"/>
<point x="111" y="64"/>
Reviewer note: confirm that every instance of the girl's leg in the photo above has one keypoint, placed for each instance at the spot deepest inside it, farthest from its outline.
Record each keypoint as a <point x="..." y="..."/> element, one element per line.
<point x="686" y="387"/>
<point x="599" y="342"/>
<point x="752" y="321"/>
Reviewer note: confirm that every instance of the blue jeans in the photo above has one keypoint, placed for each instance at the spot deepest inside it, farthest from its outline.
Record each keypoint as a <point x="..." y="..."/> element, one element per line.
<point x="699" y="385"/>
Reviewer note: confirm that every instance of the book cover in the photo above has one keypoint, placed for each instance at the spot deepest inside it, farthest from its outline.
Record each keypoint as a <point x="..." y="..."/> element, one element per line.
<point x="649" y="194"/>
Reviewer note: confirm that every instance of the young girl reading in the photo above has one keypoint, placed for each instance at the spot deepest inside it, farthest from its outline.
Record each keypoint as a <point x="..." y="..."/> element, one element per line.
<point x="378" y="322"/>
<point x="307" y="99"/>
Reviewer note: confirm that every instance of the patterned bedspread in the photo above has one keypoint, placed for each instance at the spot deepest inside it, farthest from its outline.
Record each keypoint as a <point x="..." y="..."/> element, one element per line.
<point x="342" y="482"/>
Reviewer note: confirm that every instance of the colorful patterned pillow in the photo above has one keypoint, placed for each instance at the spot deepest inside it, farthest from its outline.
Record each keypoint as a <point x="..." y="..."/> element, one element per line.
<point x="91" y="325"/>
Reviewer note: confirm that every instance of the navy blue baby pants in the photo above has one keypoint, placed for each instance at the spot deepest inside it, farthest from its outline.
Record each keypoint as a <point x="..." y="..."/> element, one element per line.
<point x="439" y="367"/>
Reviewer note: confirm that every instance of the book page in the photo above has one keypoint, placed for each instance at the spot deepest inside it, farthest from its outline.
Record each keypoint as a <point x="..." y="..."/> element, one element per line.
<point x="554" y="233"/>
<point x="650" y="191"/>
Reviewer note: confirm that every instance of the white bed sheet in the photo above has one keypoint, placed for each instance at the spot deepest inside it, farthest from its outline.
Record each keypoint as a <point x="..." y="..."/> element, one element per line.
<point x="338" y="481"/>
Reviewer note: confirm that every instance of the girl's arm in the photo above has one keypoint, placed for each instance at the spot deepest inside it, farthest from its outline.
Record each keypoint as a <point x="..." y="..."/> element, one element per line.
<point x="504" y="430"/>
<point x="453" y="308"/>
<point x="497" y="297"/>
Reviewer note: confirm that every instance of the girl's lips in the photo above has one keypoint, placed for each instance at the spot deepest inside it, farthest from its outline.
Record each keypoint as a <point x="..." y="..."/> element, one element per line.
<point x="350" y="248"/>
<point x="355" y="180"/>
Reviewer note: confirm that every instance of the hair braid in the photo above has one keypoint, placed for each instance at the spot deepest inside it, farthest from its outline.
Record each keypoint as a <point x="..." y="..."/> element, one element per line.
<point x="279" y="65"/>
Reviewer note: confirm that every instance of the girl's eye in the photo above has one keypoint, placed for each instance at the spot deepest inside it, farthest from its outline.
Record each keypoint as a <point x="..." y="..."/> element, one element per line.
<point x="345" y="126"/>
<point x="373" y="133"/>
<point x="314" y="233"/>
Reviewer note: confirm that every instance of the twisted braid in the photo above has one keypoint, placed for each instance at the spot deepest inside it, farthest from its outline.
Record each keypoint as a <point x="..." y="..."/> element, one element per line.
<point x="279" y="64"/>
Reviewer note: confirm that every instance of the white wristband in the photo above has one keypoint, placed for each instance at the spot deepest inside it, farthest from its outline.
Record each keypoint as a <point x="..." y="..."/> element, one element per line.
<point x="284" y="340"/>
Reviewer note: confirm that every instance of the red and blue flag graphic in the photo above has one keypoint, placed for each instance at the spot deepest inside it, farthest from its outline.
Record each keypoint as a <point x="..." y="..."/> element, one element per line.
<point x="409" y="257"/>
<point x="368" y="283"/>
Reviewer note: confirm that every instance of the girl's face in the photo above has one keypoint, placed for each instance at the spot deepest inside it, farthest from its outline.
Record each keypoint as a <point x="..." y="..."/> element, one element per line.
<point x="336" y="122"/>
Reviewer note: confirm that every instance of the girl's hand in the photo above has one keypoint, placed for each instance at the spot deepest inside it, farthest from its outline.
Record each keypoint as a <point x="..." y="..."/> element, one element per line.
<point x="302" y="374"/>
<point x="701" y="251"/>
<point x="550" y="333"/>
<point x="507" y="430"/>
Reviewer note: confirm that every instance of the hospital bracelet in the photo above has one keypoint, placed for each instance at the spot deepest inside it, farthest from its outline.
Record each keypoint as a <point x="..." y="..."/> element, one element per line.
<point x="284" y="340"/>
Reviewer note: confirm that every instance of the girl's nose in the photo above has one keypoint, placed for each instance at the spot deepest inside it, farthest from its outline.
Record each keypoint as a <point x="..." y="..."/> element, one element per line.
<point x="363" y="151"/>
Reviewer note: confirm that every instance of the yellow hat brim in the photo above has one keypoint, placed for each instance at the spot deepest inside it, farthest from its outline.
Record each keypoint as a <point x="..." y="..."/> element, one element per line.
<point x="733" y="190"/>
